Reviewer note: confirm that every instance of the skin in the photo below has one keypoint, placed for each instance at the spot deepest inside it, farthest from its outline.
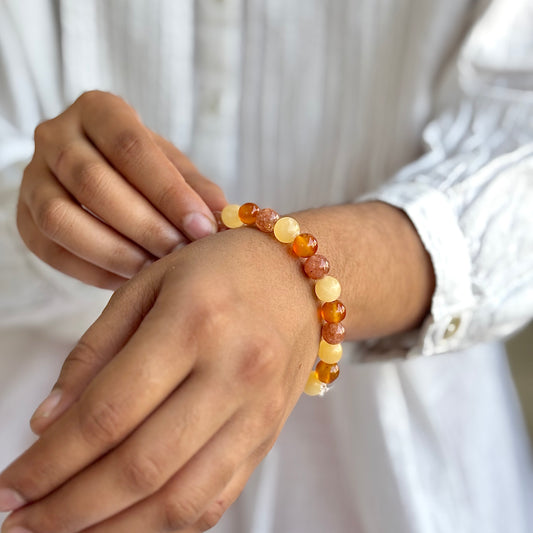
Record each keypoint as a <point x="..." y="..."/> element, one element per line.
<point x="175" y="394"/>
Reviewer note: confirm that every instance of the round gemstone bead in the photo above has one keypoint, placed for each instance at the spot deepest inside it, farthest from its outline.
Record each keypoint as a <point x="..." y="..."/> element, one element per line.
<point x="327" y="373"/>
<point x="305" y="245"/>
<point x="286" y="229"/>
<point x="327" y="289"/>
<point x="266" y="219"/>
<point x="333" y="333"/>
<point x="230" y="216"/>
<point x="314" y="386"/>
<point x="329" y="353"/>
<point x="316" y="266"/>
<point x="333" y="311"/>
<point x="248" y="213"/>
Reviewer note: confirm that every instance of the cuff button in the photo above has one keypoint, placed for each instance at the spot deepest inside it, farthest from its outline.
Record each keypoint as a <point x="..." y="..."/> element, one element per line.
<point x="453" y="326"/>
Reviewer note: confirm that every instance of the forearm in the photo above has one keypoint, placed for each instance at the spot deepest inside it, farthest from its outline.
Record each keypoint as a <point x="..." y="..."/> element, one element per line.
<point x="386" y="274"/>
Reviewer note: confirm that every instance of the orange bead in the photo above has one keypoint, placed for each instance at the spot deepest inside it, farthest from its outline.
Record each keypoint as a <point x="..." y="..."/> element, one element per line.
<point x="305" y="245"/>
<point x="333" y="311"/>
<point x="327" y="373"/>
<point x="248" y="213"/>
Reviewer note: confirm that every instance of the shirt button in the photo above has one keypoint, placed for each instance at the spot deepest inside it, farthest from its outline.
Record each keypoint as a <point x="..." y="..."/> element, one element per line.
<point x="453" y="326"/>
<point x="212" y="101"/>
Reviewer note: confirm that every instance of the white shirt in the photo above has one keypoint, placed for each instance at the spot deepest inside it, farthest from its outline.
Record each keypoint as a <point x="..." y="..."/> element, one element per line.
<point x="299" y="104"/>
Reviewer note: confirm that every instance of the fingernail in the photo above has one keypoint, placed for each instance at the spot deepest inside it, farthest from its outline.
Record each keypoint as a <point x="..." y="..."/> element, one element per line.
<point x="198" y="225"/>
<point x="48" y="406"/>
<point x="10" y="500"/>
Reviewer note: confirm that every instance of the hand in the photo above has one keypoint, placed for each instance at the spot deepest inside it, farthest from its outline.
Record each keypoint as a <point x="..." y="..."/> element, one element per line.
<point x="174" y="395"/>
<point x="104" y="196"/>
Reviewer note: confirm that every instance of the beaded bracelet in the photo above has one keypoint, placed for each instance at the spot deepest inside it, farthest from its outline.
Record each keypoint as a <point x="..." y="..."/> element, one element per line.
<point x="316" y="267"/>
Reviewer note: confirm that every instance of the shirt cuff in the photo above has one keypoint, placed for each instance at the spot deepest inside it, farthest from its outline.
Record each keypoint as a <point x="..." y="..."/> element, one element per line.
<point x="445" y="329"/>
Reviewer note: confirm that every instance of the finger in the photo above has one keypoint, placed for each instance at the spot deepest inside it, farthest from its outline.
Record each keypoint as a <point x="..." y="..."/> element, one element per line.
<point x="210" y="192"/>
<point x="63" y="221"/>
<point x="94" y="183"/>
<point x="61" y="259"/>
<point x="117" y="400"/>
<point x="200" y="492"/>
<point x="105" y="338"/>
<point x="142" y="465"/>
<point x="117" y="132"/>
<point x="217" y="508"/>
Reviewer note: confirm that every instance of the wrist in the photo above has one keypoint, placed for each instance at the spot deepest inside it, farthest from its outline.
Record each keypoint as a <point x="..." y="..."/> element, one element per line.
<point x="385" y="271"/>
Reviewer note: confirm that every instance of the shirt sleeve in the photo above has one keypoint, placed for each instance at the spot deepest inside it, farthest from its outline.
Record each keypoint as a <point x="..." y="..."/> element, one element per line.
<point x="470" y="196"/>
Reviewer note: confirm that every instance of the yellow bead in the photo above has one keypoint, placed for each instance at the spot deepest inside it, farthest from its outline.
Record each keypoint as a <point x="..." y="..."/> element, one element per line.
<point x="329" y="353"/>
<point x="230" y="216"/>
<point x="314" y="387"/>
<point x="327" y="289"/>
<point x="286" y="229"/>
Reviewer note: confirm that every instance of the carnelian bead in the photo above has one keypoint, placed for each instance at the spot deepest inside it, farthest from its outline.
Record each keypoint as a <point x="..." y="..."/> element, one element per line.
<point x="305" y="245"/>
<point x="333" y="332"/>
<point x="333" y="311"/>
<point x="266" y="219"/>
<point x="327" y="373"/>
<point x="314" y="387"/>
<point x="248" y="213"/>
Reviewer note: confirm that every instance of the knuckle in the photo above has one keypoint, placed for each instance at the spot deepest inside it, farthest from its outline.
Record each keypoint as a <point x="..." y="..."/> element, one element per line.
<point x="51" y="215"/>
<point x="64" y="159"/>
<point x="122" y="259"/>
<point x="101" y="424"/>
<point x="260" y="361"/>
<point x="83" y="355"/>
<point x="142" y="474"/>
<point x="51" y="521"/>
<point x="180" y="513"/>
<point x="212" y="516"/>
<point x="91" y="97"/>
<point x="168" y="193"/>
<point x="31" y="481"/>
<point x="206" y="318"/>
<point x="154" y="235"/>
<point x="41" y="132"/>
<point x="128" y="145"/>
<point x="90" y="179"/>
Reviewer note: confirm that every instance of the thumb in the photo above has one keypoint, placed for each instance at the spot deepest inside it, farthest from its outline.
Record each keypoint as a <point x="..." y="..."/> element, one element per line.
<point x="99" y="344"/>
